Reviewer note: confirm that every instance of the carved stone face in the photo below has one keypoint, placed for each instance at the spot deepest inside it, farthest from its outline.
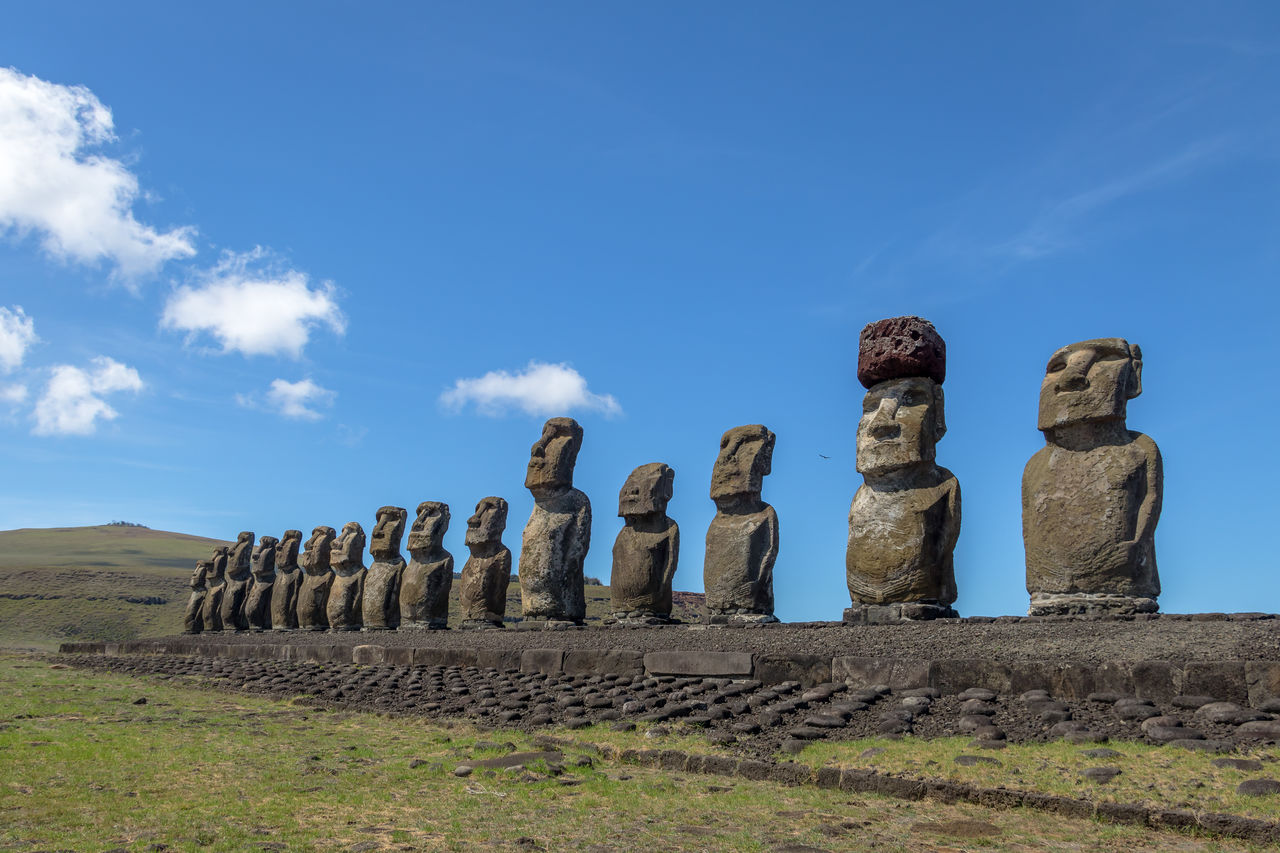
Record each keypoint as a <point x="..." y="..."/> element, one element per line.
<point x="746" y="457"/>
<point x="647" y="490"/>
<point x="319" y="550"/>
<point x="264" y="559"/>
<point x="199" y="578"/>
<point x="287" y="549"/>
<point x="552" y="457"/>
<point x="1090" y="381"/>
<point x="902" y="420"/>
<point x="217" y="566"/>
<point x="429" y="527"/>
<point x="489" y="521"/>
<point x="388" y="532"/>
<point x="242" y="551"/>
<point x="348" y="548"/>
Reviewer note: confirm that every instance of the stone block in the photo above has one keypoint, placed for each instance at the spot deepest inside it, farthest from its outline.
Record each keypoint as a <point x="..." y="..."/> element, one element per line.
<point x="604" y="662"/>
<point x="1073" y="680"/>
<point x="1223" y="680"/>
<point x="542" y="661"/>
<point x="326" y="654"/>
<point x="757" y="771"/>
<point x="1123" y="813"/>
<point x="1157" y="680"/>
<point x="1114" y="677"/>
<point x="1031" y="675"/>
<point x="895" y="786"/>
<point x="958" y="675"/>
<point x="397" y="656"/>
<point x="898" y="673"/>
<point x="499" y="659"/>
<point x="704" y="664"/>
<point x="1262" y="679"/>
<point x="720" y="765"/>
<point x="444" y="657"/>
<point x="111" y="649"/>
<point x="809" y="670"/>
<point x="368" y="654"/>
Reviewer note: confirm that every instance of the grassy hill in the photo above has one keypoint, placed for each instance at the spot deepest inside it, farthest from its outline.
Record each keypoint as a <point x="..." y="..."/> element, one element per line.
<point x="111" y="583"/>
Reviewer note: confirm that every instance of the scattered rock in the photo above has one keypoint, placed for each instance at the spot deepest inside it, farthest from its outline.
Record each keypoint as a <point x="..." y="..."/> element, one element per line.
<point x="1258" y="787"/>
<point x="1101" y="774"/>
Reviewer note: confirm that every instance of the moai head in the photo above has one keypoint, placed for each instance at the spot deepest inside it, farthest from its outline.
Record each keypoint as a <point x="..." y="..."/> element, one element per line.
<point x="486" y="525"/>
<point x="552" y="457"/>
<point x="242" y="552"/>
<point x="1090" y="382"/>
<point x="387" y="532"/>
<point x="746" y="457"/>
<point x="647" y="491"/>
<point x="199" y="578"/>
<point x="348" y="549"/>
<point x="218" y="570"/>
<point x="319" y="551"/>
<point x="264" y="558"/>
<point x="287" y="550"/>
<point x="902" y="363"/>
<point x="427" y="533"/>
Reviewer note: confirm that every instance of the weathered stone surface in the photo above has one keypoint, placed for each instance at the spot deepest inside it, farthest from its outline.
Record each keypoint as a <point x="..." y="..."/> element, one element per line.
<point x="284" y="594"/>
<point x="216" y="583"/>
<point x="558" y="533"/>
<point x="1223" y="680"/>
<point x="895" y="673"/>
<point x="905" y="519"/>
<point x="345" y="608"/>
<point x="898" y="347"/>
<point x="427" y="580"/>
<point x="595" y="662"/>
<point x="239" y="575"/>
<point x="313" y="594"/>
<point x="806" y="669"/>
<point x="1091" y="497"/>
<point x="193" y="619"/>
<point x="542" y="661"/>
<point x="258" y="607"/>
<point x="742" y="541"/>
<point x="647" y="549"/>
<point x="381" y="600"/>
<point x="487" y="573"/>
<point x="704" y="664"/>
<point x="1262" y="679"/>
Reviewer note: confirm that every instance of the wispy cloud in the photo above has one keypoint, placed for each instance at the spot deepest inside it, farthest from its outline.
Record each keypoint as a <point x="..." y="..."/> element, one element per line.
<point x="539" y="389"/>
<point x="17" y="334"/>
<point x="295" y="400"/>
<point x="53" y="183"/>
<point x="72" y="402"/>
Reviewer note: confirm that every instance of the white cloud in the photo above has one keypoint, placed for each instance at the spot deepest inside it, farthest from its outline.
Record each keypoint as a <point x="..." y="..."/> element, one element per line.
<point x="14" y="395"/>
<point x="17" y="332"/>
<point x="292" y="399"/>
<point x="72" y="402"/>
<point x="252" y="305"/>
<point x="80" y="203"/>
<point x="540" y="389"/>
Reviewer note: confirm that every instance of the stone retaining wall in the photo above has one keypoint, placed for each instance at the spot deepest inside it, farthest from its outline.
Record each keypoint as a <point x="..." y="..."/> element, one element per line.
<point x="1245" y="682"/>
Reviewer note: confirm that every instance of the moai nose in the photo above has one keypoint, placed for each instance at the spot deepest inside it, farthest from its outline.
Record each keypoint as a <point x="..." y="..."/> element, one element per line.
<point x="884" y="423"/>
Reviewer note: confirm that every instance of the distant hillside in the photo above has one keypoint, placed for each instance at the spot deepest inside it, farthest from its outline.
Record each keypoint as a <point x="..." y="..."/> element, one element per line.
<point x="113" y="582"/>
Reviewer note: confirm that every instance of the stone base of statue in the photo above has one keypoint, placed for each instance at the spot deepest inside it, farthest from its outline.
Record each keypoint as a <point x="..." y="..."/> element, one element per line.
<point x="548" y="625"/>
<point x="372" y="628"/>
<point x="481" y="625"/>
<point x="430" y="625"/>
<point x="342" y="629"/>
<point x="1089" y="604"/>
<point x="625" y="618"/>
<point x="890" y="614"/>
<point x="283" y="630"/>
<point x="740" y="617"/>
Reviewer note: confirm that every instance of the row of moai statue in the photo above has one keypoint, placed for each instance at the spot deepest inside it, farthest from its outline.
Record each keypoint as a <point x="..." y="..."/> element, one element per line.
<point x="1090" y="503"/>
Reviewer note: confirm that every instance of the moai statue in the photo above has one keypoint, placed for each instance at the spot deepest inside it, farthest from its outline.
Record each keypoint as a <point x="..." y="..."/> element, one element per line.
<point x="258" y="608"/>
<point x="559" y="530"/>
<point x="742" y="541"/>
<point x="215" y="579"/>
<point x="487" y="572"/>
<point x="382" y="581"/>
<point x="284" y="594"/>
<point x="1091" y="496"/>
<point x="425" y="585"/>
<point x="317" y="579"/>
<point x="647" y="548"/>
<point x="193" y="621"/>
<point x="239" y="576"/>
<point x="905" y="517"/>
<point x="346" y="597"/>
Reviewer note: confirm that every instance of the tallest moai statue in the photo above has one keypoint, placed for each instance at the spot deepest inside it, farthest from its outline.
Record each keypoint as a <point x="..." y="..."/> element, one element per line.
<point x="558" y="533"/>
<point x="905" y="518"/>
<point x="1091" y="496"/>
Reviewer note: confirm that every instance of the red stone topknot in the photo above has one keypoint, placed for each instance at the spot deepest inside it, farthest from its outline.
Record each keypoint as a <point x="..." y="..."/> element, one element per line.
<point x="899" y="347"/>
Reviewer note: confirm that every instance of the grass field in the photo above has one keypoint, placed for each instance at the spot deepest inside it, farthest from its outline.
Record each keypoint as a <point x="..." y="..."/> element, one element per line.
<point x="85" y="766"/>
<point x="110" y="584"/>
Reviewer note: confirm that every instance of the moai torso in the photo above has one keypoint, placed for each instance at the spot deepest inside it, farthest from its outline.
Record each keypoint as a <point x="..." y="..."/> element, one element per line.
<point x="381" y="604"/>
<point x="558" y="534"/>
<point x="193" y="621"/>
<point x="742" y="540"/>
<point x="215" y="581"/>
<point x="284" y="593"/>
<point x="904" y="520"/>
<point x="346" y="595"/>
<point x="647" y="549"/>
<point x="487" y="573"/>
<point x="317" y="578"/>
<point x="258" y="607"/>
<point x="239" y="576"/>
<point x="1091" y="497"/>
<point x="427" y="580"/>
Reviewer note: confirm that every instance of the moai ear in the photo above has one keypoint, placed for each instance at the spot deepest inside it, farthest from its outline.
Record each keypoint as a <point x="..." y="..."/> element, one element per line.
<point x="668" y="487"/>
<point x="1135" y="377"/>
<point x="939" y="413"/>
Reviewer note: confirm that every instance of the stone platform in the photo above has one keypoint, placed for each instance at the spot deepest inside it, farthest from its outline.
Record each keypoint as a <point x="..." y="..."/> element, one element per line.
<point x="1231" y="657"/>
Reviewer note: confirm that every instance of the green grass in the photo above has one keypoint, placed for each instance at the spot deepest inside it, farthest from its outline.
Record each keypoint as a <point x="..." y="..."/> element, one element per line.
<point x="84" y="768"/>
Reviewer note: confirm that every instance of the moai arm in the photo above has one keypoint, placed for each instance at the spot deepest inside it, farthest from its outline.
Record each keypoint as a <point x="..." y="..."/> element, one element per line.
<point x="1149" y="511"/>
<point x="951" y="521"/>
<point x="673" y="556"/>
<point x="771" y="552"/>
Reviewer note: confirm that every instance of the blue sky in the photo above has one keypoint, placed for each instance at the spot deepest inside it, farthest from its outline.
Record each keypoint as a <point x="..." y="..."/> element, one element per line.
<point x="256" y="246"/>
